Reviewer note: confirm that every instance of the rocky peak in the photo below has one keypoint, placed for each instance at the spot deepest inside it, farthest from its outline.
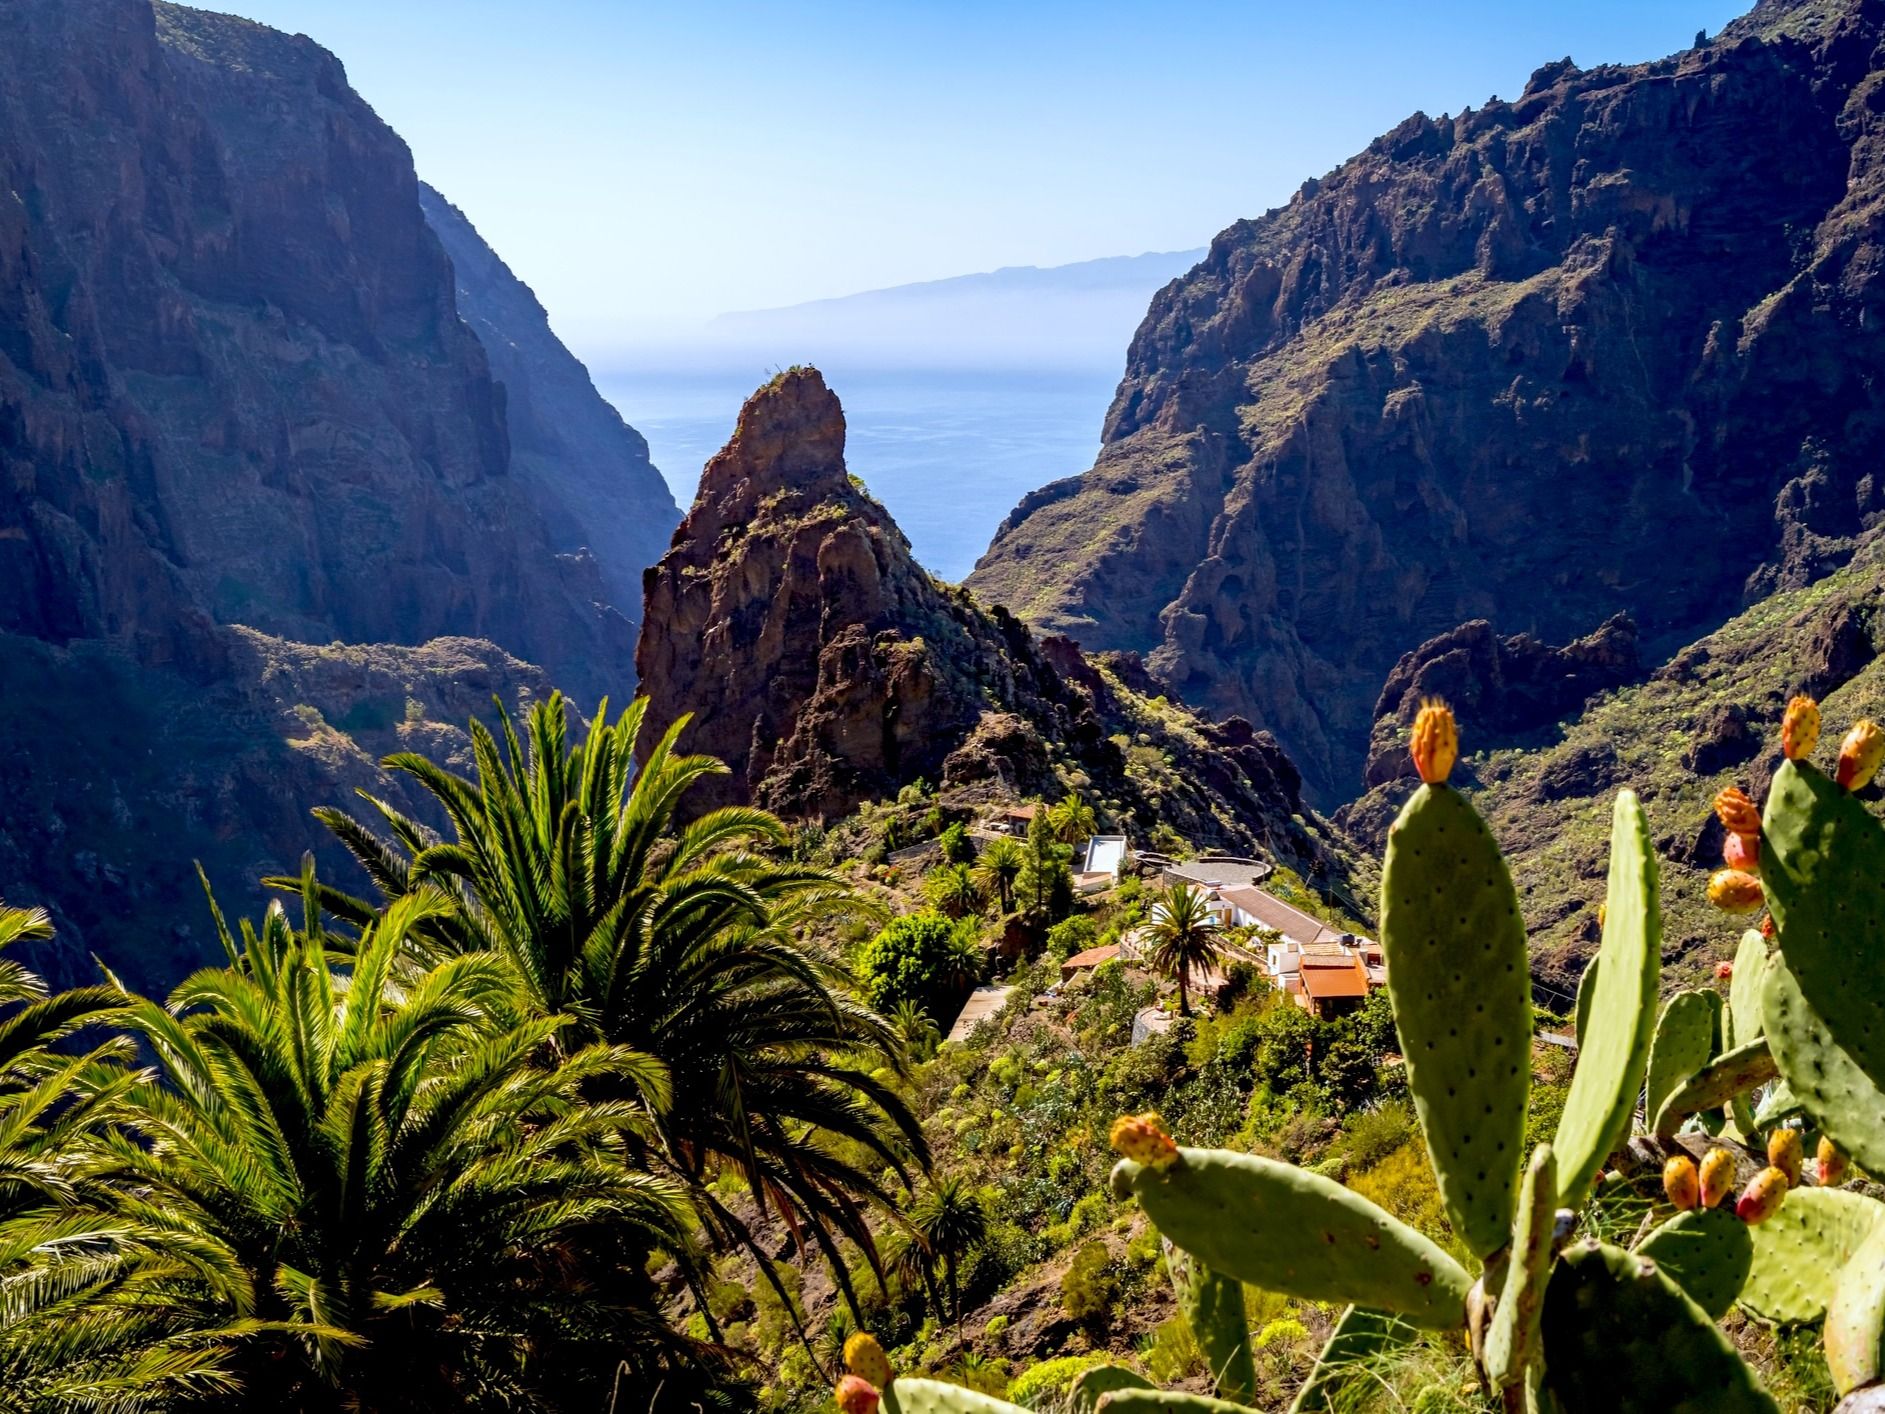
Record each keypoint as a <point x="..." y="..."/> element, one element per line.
<point x="789" y="440"/>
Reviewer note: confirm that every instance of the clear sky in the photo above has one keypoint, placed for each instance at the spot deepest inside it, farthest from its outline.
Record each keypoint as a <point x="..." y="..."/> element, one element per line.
<point x="643" y="164"/>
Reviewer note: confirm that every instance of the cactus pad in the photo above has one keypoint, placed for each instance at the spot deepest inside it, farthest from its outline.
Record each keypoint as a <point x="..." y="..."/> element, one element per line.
<point x="1090" y="1386"/>
<point x="1159" y="1401"/>
<point x="1801" y="1250"/>
<point x="1683" y="1044"/>
<point x="1717" y="1083"/>
<point x="1830" y="1085"/>
<point x="1512" y="1340"/>
<point x="1855" y="1318"/>
<point x="1620" y="1336"/>
<point x="1359" y="1336"/>
<point x="1460" y="979"/>
<point x="1580" y="1015"/>
<point x="911" y="1396"/>
<point x="1824" y="858"/>
<point x="1622" y="1007"/>
<point x="1213" y="1305"/>
<point x="1707" y="1252"/>
<point x="1744" y="989"/>
<point x="1294" y="1232"/>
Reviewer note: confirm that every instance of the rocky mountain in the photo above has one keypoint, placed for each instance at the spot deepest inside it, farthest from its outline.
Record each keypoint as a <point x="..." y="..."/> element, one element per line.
<point x="585" y="471"/>
<point x="241" y="414"/>
<point x="826" y="667"/>
<point x="1611" y="346"/>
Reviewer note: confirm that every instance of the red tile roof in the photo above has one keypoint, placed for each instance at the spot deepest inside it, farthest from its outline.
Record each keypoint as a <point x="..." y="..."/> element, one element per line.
<point x="1325" y="980"/>
<point x="1093" y="957"/>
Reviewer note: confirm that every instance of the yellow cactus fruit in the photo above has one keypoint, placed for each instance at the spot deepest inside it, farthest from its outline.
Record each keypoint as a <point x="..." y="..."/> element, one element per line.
<point x="1735" y="891"/>
<point x="1143" y="1139"/>
<point x="1680" y="1182"/>
<point x="1436" y="744"/>
<point x="856" y="1396"/>
<point x="1859" y="755"/>
<point x="1784" y="1152"/>
<point x="864" y="1357"/>
<point x="1603" y="916"/>
<point x="1762" y="1198"/>
<point x="1737" y="813"/>
<point x="1800" y="729"/>
<point x="1831" y="1165"/>
<point x="1717" y="1174"/>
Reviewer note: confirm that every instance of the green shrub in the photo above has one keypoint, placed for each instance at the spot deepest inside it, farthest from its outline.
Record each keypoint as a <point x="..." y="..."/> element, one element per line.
<point x="957" y="847"/>
<point x="1039" y="1385"/>
<point x="922" y="958"/>
<point x="1089" y="1287"/>
<point x="1071" y="935"/>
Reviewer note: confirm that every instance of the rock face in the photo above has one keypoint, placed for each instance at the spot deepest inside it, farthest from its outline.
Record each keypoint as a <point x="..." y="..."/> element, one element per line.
<point x="1612" y="346"/>
<point x="585" y="471"/>
<point x="827" y="668"/>
<point x="239" y="414"/>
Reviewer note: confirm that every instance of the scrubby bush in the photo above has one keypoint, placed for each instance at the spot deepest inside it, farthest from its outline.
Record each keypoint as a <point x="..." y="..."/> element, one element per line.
<point x="957" y="847"/>
<point x="1040" y="1386"/>
<point x="923" y="958"/>
<point x="1089" y="1287"/>
<point x="1070" y="936"/>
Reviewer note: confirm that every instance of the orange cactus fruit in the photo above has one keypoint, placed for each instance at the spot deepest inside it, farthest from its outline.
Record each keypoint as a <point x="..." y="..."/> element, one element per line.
<point x="1717" y="1174"/>
<point x="1830" y="1163"/>
<point x="1800" y="729"/>
<point x="1762" y="1198"/>
<point x="1859" y="755"/>
<point x="1735" y="891"/>
<point x="1767" y="926"/>
<point x="865" y="1358"/>
<point x="1742" y="852"/>
<point x="1142" y="1138"/>
<point x="1737" y="813"/>
<point x="1724" y="972"/>
<point x="1680" y="1182"/>
<point x="1436" y="742"/>
<point x="1784" y="1152"/>
<point x="857" y="1396"/>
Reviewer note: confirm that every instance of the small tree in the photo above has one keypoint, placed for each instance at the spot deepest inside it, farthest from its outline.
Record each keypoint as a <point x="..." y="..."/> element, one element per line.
<point x="923" y="958"/>
<point x="954" y="890"/>
<point x="999" y="865"/>
<point x="950" y="1219"/>
<point x="1071" y="818"/>
<point x="1183" y="936"/>
<point x="1045" y="885"/>
<point x="957" y="847"/>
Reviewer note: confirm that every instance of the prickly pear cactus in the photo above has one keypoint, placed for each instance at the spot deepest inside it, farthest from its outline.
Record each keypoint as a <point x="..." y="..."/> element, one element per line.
<point x="911" y="1396"/>
<point x="1800" y="1252"/>
<point x="1213" y="1306"/>
<point x="1580" y="1015"/>
<point x="1855" y="1318"/>
<point x="1287" y="1230"/>
<point x="1717" y="1083"/>
<point x="1158" y="1401"/>
<point x="1460" y="979"/>
<point x="1705" y="1251"/>
<point x="1825" y="856"/>
<point x="1090" y="1386"/>
<point x="1621" y="1337"/>
<point x="1830" y="1084"/>
<point x="1512" y="1339"/>
<point x="1684" y="1043"/>
<point x="1622" y="1008"/>
<point x="1359" y="1336"/>
<point x="1744" y="989"/>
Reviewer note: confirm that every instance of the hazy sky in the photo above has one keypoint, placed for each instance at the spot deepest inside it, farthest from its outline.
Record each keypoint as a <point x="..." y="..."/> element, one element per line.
<point x="641" y="164"/>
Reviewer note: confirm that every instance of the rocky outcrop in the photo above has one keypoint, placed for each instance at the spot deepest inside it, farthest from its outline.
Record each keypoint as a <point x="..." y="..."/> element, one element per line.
<point x="585" y="471"/>
<point x="826" y="668"/>
<point x="1611" y="346"/>
<point x="240" y="414"/>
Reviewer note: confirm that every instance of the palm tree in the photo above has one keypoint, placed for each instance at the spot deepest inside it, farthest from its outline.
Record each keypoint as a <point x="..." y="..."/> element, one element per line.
<point x="916" y="1030"/>
<point x="954" y="890"/>
<point x="998" y="866"/>
<point x="681" y="942"/>
<point x="362" y="1190"/>
<point x="949" y="1219"/>
<point x="1072" y="819"/>
<point x="1183" y="935"/>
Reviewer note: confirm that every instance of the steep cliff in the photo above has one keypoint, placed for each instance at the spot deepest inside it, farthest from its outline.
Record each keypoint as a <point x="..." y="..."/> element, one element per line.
<point x="827" y="668"/>
<point x="240" y="414"/>
<point x="1612" y="346"/>
<point x="585" y="472"/>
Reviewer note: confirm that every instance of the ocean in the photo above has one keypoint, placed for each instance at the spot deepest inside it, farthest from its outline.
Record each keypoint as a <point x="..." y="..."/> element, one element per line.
<point x="947" y="452"/>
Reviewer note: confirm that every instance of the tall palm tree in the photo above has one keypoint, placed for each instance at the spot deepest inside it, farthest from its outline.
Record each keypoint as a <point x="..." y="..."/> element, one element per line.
<point x="998" y="866"/>
<point x="1182" y="934"/>
<point x="682" y="942"/>
<point x="1072" y="819"/>
<point x="954" y="890"/>
<point x="369" y="1194"/>
<point x="950" y="1220"/>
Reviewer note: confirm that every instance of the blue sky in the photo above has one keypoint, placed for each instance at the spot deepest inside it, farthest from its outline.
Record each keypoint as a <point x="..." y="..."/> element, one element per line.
<point x="646" y="164"/>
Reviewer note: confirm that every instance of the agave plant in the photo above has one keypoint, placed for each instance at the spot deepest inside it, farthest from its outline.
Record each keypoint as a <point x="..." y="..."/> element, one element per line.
<point x="344" y="1187"/>
<point x="682" y="941"/>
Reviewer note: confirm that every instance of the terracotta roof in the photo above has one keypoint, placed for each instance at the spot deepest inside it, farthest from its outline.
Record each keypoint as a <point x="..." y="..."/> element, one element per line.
<point x="1019" y="812"/>
<point x="1326" y="980"/>
<point x="1093" y="957"/>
